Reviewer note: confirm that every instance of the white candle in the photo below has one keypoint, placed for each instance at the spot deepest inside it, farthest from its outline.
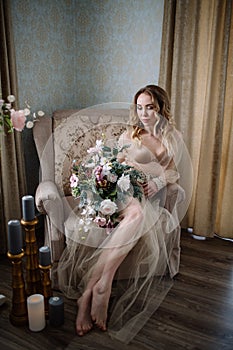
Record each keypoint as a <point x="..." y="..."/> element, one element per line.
<point x="36" y="312"/>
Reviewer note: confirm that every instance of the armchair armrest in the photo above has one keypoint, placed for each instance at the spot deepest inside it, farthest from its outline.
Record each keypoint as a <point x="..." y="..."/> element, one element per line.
<point x="45" y="192"/>
<point x="49" y="202"/>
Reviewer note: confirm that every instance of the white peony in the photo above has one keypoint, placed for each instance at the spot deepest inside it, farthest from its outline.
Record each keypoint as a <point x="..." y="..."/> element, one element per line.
<point x="124" y="182"/>
<point x="107" y="207"/>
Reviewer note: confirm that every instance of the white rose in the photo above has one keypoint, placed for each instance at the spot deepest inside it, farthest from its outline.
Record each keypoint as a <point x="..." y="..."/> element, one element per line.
<point x="124" y="183"/>
<point x="112" y="177"/>
<point x="107" y="207"/>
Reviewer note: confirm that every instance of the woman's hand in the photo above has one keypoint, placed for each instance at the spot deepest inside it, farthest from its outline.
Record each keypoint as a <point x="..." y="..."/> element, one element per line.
<point x="149" y="188"/>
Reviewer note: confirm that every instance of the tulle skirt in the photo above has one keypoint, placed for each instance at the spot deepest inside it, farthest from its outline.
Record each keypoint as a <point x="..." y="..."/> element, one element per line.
<point x="144" y="277"/>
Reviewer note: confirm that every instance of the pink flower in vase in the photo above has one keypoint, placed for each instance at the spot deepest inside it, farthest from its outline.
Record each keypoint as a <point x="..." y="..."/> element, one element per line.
<point x="18" y="119"/>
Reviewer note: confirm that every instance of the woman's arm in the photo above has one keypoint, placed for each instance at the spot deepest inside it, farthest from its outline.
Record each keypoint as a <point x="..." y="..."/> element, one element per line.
<point x="158" y="175"/>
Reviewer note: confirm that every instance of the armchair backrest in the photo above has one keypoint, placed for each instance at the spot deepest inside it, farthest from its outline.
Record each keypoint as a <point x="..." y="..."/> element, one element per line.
<point x="68" y="134"/>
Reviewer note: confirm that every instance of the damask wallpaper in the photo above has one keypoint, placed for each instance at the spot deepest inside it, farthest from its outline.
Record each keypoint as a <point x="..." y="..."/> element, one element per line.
<point x="79" y="53"/>
<point x="76" y="53"/>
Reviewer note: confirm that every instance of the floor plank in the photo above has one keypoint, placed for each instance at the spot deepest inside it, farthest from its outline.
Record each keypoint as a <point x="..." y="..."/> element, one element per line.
<point x="196" y="314"/>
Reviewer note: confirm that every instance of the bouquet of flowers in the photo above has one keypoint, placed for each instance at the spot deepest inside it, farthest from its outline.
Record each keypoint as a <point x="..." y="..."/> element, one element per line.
<point x="101" y="183"/>
<point x="16" y="119"/>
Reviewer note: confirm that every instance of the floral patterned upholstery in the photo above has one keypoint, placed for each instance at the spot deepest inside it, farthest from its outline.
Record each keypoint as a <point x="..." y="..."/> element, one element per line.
<point x="75" y="134"/>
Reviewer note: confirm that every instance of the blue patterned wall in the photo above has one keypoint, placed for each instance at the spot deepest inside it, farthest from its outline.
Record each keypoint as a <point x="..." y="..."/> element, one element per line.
<point x="78" y="53"/>
<point x="75" y="53"/>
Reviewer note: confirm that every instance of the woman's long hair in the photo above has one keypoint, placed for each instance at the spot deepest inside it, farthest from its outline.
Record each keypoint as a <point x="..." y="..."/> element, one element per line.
<point x="162" y="106"/>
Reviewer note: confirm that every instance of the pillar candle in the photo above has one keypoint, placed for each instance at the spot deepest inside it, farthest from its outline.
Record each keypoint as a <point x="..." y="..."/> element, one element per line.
<point x="36" y="312"/>
<point x="44" y="256"/>
<point x="15" y="239"/>
<point x="56" y="311"/>
<point x="28" y="208"/>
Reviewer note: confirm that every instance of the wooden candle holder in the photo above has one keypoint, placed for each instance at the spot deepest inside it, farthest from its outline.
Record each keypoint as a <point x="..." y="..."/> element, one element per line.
<point x="33" y="278"/>
<point x="18" y="314"/>
<point x="46" y="286"/>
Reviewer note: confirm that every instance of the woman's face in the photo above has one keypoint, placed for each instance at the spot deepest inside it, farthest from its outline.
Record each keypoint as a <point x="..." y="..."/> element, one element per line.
<point x="146" y="110"/>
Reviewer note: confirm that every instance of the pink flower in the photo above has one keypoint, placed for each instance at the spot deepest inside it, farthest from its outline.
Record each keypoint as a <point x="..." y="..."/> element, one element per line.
<point x="100" y="221"/>
<point x="74" y="180"/>
<point x="98" y="173"/>
<point x="18" y="119"/>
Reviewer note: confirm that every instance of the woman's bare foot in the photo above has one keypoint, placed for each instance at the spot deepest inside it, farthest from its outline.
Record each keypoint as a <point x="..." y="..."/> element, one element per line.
<point x="83" y="321"/>
<point x="99" y="307"/>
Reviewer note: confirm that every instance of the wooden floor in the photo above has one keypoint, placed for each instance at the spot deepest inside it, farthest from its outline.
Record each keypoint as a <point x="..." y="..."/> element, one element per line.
<point x="196" y="314"/>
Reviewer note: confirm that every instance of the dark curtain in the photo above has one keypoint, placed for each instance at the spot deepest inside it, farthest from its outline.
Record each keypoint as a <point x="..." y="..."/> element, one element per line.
<point x="12" y="182"/>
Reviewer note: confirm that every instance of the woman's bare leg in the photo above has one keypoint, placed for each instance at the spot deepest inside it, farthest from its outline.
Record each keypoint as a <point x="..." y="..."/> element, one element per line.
<point x="84" y="322"/>
<point x="102" y="290"/>
<point x="93" y="305"/>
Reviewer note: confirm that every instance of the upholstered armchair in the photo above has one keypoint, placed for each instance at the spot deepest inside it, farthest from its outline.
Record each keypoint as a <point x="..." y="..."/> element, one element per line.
<point x="60" y="139"/>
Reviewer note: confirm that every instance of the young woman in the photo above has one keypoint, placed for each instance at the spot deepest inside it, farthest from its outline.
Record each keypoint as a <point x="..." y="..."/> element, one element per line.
<point x="145" y="243"/>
